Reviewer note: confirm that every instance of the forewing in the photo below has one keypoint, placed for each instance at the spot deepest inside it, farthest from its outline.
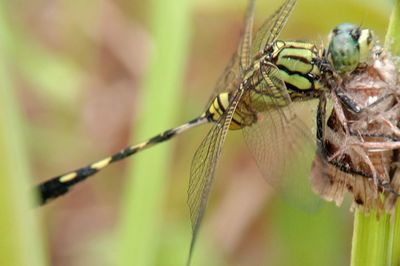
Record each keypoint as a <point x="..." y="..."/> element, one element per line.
<point x="203" y="167"/>
<point x="240" y="60"/>
<point x="246" y="37"/>
<point x="271" y="27"/>
<point x="283" y="147"/>
<point x="229" y="80"/>
<point x="273" y="85"/>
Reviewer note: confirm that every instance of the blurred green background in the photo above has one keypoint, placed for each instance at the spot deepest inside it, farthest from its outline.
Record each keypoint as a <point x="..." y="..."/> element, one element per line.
<point x="79" y="88"/>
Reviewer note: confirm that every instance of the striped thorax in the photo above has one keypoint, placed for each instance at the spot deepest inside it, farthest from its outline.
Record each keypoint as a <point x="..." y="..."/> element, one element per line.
<point x="297" y="65"/>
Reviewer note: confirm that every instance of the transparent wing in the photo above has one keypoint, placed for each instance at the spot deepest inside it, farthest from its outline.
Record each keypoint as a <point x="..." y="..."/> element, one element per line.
<point x="203" y="167"/>
<point x="246" y="38"/>
<point x="240" y="60"/>
<point x="229" y="80"/>
<point x="271" y="27"/>
<point x="283" y="147"/>
<point x="273" y="85"/>
<point x="248" y="48"/>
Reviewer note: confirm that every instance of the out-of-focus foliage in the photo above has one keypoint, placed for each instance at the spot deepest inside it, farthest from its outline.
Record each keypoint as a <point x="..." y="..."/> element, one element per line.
<point x="78" y="71"/>
<point x="20" y="242"/>
<point x="144" y="197"/>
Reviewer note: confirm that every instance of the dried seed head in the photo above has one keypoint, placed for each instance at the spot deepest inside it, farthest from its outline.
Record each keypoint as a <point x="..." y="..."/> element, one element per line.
<point x="361" y="139"/>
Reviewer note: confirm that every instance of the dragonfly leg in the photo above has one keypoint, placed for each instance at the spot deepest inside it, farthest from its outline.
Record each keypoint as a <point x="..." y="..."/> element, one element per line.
<point x="339" y="111"/>
<point x="350" y="104"/>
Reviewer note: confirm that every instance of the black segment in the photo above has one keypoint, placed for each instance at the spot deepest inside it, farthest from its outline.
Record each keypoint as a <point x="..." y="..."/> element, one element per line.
<point x="166" y="135"/>
<point x="51" y="189"/>
<point x="123" y="154"/>
<point x="54" y="187"/>
<point x="82" y="174"/>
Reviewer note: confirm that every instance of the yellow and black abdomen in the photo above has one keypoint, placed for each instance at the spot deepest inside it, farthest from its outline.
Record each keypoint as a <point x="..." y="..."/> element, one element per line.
<point x="218" y="108"/>
<point x="299" y="66"/>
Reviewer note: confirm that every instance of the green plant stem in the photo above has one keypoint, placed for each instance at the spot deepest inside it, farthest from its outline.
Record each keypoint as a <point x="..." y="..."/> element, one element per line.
<point x="20" y="242"/>
<point x="394" y="256"/>
<point x="392" y="40"/>
<point x="370" y="244"/>
<point x="144" y="198"/>
<point x="377" y="241"/>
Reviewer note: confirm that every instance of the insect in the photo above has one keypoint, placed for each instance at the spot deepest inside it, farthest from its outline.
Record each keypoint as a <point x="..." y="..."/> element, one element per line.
<point x="349" y="47"/>
<point x="358" y="144"/>
<point x="257" y="93"/>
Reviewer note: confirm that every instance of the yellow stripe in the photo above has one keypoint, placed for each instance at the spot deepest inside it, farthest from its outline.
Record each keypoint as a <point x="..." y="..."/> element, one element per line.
<point x="101" y="164"/>
<point x="218" y="109"/>
<point x="213" y="112"/>
<point x="224" y="100"/>
<point x="67" y="177"/>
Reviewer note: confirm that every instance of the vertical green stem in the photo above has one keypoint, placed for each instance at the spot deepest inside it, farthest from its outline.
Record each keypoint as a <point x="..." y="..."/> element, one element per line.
<point x="370" y="244"/>
<point x="394" y="256"/>
<point x="142" y="208"/>
<point x="392" y="43"/>
<point x="392" y="40"/>
<point x="377" y="241"/>
<point x="20" y="243"/>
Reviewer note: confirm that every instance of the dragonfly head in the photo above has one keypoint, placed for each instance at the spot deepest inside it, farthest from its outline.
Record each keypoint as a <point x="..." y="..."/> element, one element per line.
<point x="349" y="46"/>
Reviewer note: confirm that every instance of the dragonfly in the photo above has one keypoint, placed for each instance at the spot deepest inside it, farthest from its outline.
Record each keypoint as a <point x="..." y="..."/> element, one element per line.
<point x="356" y="145"/>
<point x="258" y="93"/>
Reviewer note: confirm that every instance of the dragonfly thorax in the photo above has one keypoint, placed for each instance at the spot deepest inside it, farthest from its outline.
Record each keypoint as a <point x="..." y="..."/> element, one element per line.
<point x="299" y="64"/>
<point x="287" y="71"/>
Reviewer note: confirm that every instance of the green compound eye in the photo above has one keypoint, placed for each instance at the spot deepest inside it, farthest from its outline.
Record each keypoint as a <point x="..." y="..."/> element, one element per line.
<point x="349" y="46"/>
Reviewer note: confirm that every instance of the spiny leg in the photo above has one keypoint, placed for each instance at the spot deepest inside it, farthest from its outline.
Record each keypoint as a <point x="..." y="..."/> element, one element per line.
<point x="321" y="116"/>
<point x="338" y="108"/>
<point x="343" y="167"/>
<point x="351" y="104"/>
